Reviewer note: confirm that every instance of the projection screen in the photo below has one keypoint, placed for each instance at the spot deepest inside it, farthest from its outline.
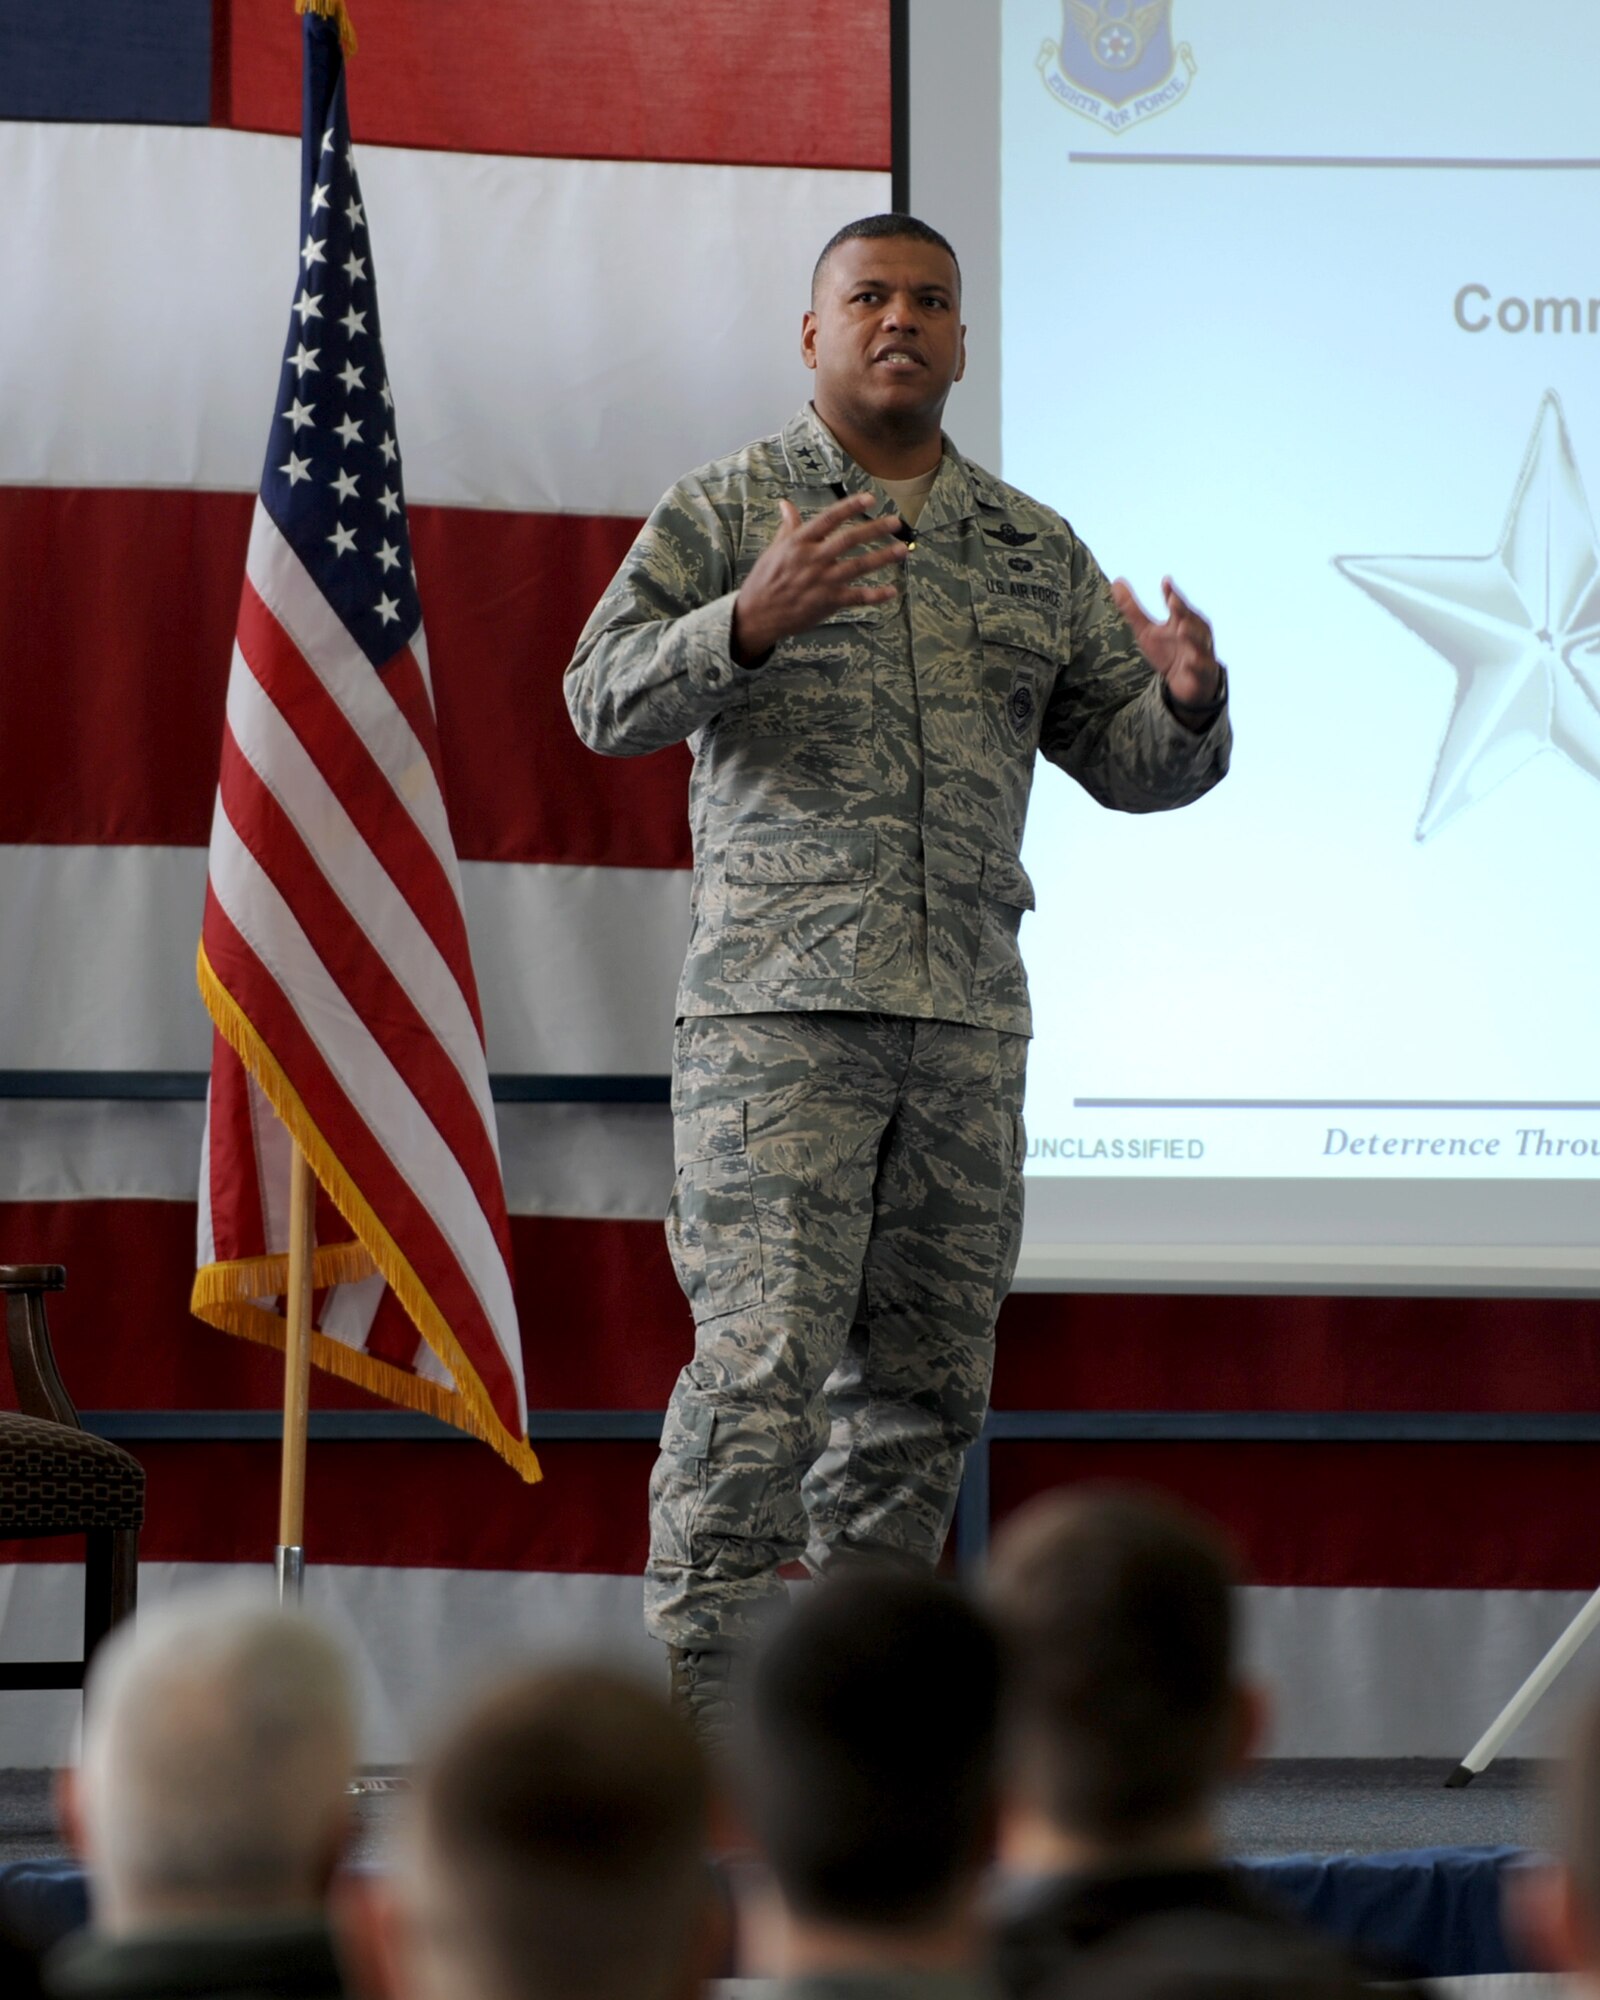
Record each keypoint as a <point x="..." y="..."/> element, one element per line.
<point x="1301" y="307"/>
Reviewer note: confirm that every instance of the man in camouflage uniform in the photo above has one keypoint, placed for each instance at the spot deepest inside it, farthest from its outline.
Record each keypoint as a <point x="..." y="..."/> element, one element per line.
<point x="853" y="1014"/>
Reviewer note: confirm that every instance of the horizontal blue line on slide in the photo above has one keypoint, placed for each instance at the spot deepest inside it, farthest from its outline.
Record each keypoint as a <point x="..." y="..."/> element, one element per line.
<point x="189" y="1086"/>
<point x="1534" y="1427"/>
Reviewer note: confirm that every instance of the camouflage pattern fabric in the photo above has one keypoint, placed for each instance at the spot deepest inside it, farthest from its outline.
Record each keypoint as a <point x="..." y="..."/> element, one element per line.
<point x="845" y="1221"/>
<point x="858" y="799"/>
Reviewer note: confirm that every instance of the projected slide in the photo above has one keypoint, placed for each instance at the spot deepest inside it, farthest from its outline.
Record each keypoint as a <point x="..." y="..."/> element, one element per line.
<point x="1303" y="307"/>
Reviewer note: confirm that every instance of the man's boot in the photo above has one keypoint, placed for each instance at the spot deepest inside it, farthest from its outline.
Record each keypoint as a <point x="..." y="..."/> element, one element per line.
<point x="703" y="1692"/>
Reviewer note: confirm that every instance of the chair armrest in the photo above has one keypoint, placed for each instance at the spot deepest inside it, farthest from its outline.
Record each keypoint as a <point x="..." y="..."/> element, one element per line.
<point x="40" y="1389"/>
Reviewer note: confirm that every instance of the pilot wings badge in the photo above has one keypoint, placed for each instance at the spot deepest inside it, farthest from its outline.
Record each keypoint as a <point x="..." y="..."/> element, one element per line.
<point x="1116" y="62"/>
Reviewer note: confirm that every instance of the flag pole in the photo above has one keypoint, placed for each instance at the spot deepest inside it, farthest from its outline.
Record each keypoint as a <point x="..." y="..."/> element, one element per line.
<point x="290" y="1559"/>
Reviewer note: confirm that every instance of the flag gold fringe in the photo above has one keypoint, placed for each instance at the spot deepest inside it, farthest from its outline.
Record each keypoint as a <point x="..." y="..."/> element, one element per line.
<point x="337" y="12"/>
<point x="224" y="1294"/>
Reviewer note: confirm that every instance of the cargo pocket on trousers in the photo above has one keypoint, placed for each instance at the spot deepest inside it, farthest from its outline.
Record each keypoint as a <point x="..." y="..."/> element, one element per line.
<point x="712" y="1231"/>
<point x="677" y="1486"/>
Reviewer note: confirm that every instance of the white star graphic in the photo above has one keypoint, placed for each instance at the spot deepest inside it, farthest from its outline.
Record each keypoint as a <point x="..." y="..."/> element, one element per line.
<point x="355" y="268"/>
<point x="352" y="209"/>
<point x="344" y="486"/>
<point x="354" y="322"/>
<point x="350" y="158"/>
<point x="327" y="140"/>
<point x="319" y="197"/>
<point x="388" y="448"/>
<point x="388" y="609"/>
<point x="308" y="305"/>
<point x="388" y="399"/>
<point x="299" y="414"/>
<point x="349" y="430"/>
<point x="343" y="539"/>
<point x="311" y="250"/>
<point x="389" y="555"/>
<point x="297" y="469"/>
<point x="303" y="358"/>
<point x="389" y="502"/>
<point x="1521" y="627"/>
<point x="351" y="376"/>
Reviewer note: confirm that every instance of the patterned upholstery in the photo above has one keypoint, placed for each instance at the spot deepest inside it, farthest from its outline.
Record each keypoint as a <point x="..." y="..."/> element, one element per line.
<point x="57" y="1481"/>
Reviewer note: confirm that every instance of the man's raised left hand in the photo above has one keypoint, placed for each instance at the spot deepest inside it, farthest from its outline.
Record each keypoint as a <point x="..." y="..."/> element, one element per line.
<point x="1180" y="649"/>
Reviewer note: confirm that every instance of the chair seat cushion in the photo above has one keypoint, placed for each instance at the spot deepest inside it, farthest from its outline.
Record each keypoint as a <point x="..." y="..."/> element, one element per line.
<point x="58" y="1481"/>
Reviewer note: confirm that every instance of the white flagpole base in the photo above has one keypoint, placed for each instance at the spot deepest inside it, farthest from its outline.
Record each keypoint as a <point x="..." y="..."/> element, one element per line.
<point x="289" y="1566"/>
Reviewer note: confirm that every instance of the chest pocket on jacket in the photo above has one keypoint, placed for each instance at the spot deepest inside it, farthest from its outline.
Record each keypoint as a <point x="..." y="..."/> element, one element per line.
<point x="818" y="684"/>
<point x="1019" y="664"/>
<point x="794" y="904"/>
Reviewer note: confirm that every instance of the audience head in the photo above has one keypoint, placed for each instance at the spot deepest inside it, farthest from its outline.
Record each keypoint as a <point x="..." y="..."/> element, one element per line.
<point x="1125" y="1710"/>
<point x="218" y="1739"/>
<point x="869" y="1740"/>
<point x="559" y="1851"/>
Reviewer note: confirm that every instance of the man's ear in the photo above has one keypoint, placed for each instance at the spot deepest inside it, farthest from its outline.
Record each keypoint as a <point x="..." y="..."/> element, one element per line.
<point x="69" y="1810"/>
<point x="369" y="1923"/>
<point x="1543" y="1918"/>
<point x="808" y="338"/>
<point x="1252" y="1724"/>
<point x="961" y="365"/>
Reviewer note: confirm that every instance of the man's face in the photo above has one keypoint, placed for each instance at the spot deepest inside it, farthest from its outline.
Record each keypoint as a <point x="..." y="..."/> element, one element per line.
<point x="884" y="334"/>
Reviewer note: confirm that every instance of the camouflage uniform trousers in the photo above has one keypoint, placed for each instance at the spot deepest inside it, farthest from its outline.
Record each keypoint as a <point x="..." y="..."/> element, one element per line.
<point x="845" y="1222"/>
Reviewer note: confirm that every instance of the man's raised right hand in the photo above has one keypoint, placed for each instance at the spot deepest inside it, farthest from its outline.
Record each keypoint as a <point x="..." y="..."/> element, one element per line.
<point x="807" y="572"/>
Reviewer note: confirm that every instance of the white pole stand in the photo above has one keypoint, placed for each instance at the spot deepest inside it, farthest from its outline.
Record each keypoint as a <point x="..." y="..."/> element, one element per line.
<point x="1527" y="1697"/>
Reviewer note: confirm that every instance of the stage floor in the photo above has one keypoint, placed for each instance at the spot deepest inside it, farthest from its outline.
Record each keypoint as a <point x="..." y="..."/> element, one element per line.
<point x="1364" y="1805"/>
<point x="1286" y="1806"/>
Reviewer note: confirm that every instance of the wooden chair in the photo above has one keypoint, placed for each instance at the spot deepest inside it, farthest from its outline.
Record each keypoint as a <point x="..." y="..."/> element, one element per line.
<point x="56" y="1478"/>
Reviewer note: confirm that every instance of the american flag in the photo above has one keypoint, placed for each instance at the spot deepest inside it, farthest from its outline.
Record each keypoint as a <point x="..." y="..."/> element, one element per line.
<point x="333" y="956"/>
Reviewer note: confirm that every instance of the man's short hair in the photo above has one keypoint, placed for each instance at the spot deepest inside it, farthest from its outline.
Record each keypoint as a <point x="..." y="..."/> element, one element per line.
<point x="218" y="1740"/>
<point x="563" y="1843"/>
<point x="872" y="226"/>
<point x="870" y="1742"/>
<point x="1117" y="1608"/>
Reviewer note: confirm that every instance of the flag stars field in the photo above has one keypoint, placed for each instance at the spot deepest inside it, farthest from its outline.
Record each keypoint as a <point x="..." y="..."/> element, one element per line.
<point x="349" y="529"/>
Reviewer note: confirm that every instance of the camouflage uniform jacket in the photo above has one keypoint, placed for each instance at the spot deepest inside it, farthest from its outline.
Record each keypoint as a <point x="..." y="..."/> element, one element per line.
<point x="857" y="799"/>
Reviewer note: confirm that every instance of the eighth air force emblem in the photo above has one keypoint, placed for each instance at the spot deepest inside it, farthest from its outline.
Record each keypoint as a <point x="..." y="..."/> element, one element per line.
<point x="1116" y="62"/>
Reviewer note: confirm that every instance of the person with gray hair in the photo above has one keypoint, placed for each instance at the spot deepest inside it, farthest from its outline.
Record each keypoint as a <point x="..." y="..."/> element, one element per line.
<point x="209" y="1805"/>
